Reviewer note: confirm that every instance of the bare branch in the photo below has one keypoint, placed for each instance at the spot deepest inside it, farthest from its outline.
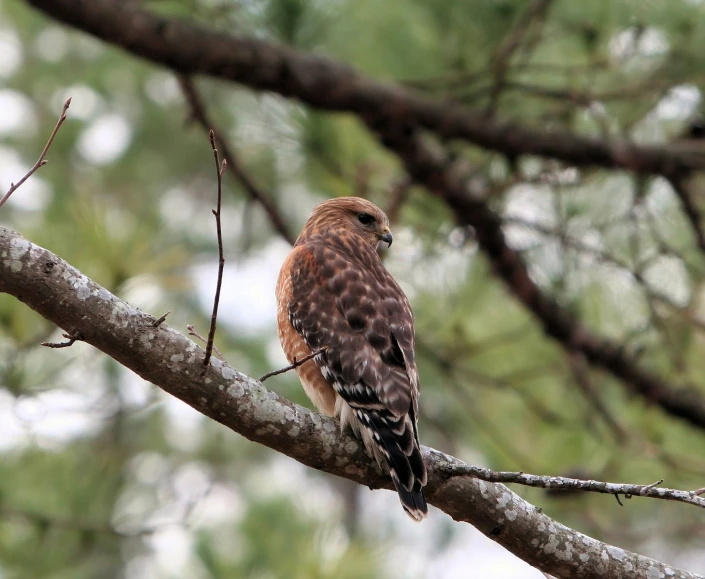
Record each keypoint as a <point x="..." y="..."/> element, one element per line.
<point x="296" y="364"/>
<point x="219" y="169"/>
<point x="41" y="161"/>
<point x="680" y="186"/>
<point x="575" y="484"/>
<point x="65" y="296"/>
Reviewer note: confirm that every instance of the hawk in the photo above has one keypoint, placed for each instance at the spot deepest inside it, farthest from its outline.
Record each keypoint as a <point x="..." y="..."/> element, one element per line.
<point x="336" y="298"/>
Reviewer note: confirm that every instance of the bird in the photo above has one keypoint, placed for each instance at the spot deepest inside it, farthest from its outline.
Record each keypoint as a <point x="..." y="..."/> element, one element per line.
<point x="337" y="301"/>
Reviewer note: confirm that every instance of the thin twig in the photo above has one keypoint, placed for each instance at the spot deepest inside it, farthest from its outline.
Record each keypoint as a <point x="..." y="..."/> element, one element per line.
<point x="192" y="332"/>
<point x="41" y="161"/>
<point x="296" y="364"/>
<point x="628" y="491"/>
<point x="198" y="113"/>
<point x="71" y="339"/>
<point x="219" y="169"/>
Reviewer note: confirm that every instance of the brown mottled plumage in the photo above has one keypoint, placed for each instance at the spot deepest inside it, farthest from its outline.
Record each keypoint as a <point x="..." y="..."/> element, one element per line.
<point x="333" y="292"/>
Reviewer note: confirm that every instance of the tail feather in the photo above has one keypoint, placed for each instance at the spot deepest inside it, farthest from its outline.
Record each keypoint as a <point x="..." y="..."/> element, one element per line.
<point x="414" y="502"/>
<point x="402" y="457"/>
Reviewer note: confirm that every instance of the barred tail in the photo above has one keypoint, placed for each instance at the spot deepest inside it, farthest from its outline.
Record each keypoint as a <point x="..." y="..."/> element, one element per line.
<point x="397" y="448"/>
<point x="413" y="501"/>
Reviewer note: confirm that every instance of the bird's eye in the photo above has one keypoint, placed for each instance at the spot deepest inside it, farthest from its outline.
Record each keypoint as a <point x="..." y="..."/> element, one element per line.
<point x="365" y="218"/>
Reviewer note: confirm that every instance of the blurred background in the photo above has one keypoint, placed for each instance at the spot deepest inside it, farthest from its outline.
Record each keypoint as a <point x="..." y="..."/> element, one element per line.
<point x="103" y="475"/>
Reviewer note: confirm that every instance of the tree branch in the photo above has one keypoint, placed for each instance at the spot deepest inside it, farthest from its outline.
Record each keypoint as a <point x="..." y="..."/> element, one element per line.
<point x="63" y="295"/>
<point x="42" y="160"/>
<point x="681" y="187"/>
<point x="652" y="490"/>
<point x="219" y="169"/>
<point x="330" y="85"/>
<point x="296" y="364"/>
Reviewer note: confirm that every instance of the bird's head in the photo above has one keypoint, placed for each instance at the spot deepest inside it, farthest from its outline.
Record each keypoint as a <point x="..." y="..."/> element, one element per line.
<point x="352" y="214"/>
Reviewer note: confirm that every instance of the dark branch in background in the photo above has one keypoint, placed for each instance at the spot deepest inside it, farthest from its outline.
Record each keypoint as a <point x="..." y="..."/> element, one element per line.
<point x="41" y="161"/>
<point x="199" y="114"/>
<point x="219" y="169"/>
<point x="680" y="185"/>
<point x="330" y="85"/>
<point x="430" y="167"/>
<point x="66" y="297"/>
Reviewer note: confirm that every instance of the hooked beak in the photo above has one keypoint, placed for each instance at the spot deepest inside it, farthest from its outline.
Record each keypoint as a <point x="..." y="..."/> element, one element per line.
<point x="387" y="237"/>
